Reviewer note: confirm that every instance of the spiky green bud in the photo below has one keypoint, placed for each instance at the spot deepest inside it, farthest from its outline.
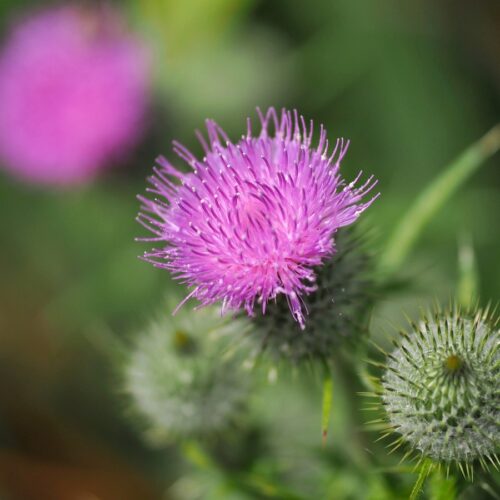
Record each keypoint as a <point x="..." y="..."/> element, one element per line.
<point x="182" y="378"/>
<point x="337" y="310"/>
<point x="440" y="388"/>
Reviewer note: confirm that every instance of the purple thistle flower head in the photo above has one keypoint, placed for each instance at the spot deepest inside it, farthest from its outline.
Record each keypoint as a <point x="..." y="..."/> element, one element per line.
<point x="254" y="218"/>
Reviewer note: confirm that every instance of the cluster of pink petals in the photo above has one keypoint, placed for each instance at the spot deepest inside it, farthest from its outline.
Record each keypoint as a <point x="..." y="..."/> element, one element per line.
<point x="253" y="219"/>
<point x="73" y="94"/>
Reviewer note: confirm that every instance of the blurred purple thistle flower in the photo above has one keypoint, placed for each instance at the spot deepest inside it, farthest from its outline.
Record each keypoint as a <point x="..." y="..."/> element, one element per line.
<point x="254" y="218"/>
<point x="74" y="88"/>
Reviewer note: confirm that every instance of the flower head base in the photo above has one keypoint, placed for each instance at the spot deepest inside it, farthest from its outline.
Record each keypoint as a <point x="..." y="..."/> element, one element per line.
<point x="253" y="219"/>
<point x="338" y="309"/>
<point x="182" y="378"/>
<point x="440" y="388"/>
<point x="73" y="94"/>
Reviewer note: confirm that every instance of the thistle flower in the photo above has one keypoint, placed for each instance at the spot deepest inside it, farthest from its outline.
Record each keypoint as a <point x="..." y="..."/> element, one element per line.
<point x="181" y="377"/>
<point x="253" y="219"/>
<point x="440" y="389"/>
<point x="338" y="309"/>
<point x="73" y="93"/>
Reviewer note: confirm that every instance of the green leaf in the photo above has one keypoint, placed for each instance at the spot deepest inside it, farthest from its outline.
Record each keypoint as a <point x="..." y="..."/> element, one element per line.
<point x="196" y="455"/>
<point x="430" y="201"/>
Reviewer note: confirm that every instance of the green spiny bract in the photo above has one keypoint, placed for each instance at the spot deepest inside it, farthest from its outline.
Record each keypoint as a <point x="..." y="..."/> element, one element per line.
<point x="337" y="310"/>
<point x="182" y="378"/>
<point x="440" y="389"/>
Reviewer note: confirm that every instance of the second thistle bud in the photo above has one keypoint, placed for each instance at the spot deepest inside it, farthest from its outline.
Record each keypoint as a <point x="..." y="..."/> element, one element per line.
<point x="182" y="378"/>
<point x="440" y="388"/>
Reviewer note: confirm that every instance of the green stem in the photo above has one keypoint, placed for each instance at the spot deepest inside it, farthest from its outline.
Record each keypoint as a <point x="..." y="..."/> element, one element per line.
<point x="425" y="470"/>
<point x="468" y="277"/>
<point x="349" y="380"/>
<point x="434" y="197"/>
<point x="327" y="406"/>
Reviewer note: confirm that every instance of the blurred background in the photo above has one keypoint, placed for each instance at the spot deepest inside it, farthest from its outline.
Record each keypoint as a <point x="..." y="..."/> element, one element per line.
<point x="412" y="84"/>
